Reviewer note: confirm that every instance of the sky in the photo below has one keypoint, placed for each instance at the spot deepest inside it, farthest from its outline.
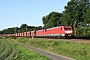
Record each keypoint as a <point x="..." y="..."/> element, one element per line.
<point x="14" y="13"/>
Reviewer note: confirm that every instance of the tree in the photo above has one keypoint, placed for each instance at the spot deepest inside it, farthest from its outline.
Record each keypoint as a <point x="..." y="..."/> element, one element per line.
<point x="87" y="16"/>
<point x="23" y="27"/>
<point x="75" y="13"/>
<point x="15" y="29"/>
<point x="52" y="19"/>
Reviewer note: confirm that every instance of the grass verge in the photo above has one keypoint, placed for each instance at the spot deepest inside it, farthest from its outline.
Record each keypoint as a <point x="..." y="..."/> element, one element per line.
<point x="78" y="51"/>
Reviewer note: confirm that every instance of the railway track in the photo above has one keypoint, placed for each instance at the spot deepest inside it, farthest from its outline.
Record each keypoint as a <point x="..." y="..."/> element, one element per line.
<point x="70" y="40"/>
<point x="81" y="40"/>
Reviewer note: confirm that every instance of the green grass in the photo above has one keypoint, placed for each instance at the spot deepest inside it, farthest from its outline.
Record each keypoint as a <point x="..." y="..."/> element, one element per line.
<point x="26" y="54"/>
<point x="14" y="51"/>
<point x="2" y="47"/>
<point x="6" y="51"/>
<point x="78" y="51"/>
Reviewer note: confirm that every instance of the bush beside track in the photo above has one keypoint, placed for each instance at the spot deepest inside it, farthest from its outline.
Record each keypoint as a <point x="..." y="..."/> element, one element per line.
<point x="11" y="51"/>
<point x="78" y="51"/>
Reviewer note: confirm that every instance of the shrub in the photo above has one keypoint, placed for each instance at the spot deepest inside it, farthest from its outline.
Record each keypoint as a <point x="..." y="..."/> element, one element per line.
<point x="13" y="37"/>
<point x="0" y="37"/>
<point x="83" y="32"/>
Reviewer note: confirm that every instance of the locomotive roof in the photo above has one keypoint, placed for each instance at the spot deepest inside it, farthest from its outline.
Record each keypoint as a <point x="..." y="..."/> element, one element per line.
<point x="54" y="28"/>
<point x="57" y="27"/>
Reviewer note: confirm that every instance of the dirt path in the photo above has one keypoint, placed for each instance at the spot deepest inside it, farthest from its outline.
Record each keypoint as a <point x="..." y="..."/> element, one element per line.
<point x="48" y="54"/>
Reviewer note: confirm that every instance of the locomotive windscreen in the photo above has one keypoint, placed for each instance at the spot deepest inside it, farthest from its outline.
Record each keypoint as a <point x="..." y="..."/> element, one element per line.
<point x="67" y="28"/>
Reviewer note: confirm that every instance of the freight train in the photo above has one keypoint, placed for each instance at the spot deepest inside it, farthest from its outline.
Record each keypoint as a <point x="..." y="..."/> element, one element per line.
<point x="57" y="32"/>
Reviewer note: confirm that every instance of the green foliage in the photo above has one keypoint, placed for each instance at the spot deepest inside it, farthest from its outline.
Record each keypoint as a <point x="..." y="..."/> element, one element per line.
<point x="23" y="40"/>
<point x="52" y="20"/>
<point x="0" y="37"/>
<point x="9" y="30"/>
<point x="23" y="28"/>
<point x="12" y="37"/>
<point x="80" y="32"/>
<point x="83" y="32"/>
<point x="87" y="15"/>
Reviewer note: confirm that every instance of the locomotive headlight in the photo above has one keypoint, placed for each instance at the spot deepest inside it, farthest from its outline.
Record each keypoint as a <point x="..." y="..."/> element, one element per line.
<point x="68" y="31"/>
<point x="63" y="34"/>
<point x="69" y="35"/>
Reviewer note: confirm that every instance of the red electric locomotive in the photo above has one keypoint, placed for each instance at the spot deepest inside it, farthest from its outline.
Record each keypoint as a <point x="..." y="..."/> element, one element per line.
<point x="55" y="31"/>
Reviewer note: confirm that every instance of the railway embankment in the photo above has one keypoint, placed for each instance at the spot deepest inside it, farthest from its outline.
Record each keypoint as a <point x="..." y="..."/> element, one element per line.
<point x="78" y="51"/>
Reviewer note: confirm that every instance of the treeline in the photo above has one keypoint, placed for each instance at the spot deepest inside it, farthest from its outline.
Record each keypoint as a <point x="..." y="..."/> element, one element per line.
<point x="23" y="28"/>
<point x="76" y="14"/>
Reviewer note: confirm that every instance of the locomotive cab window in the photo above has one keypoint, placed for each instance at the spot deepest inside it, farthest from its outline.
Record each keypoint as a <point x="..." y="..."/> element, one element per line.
<point x="45" y="30"/>
<point x="66" y="28"/>
<point x="61" y="28"/>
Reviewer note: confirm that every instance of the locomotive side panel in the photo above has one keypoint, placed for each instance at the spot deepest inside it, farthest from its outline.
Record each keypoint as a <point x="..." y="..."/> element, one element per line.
<point x="59" y="31"/>
<point x="56" y="31"/>
<point x="40" y="33"/>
